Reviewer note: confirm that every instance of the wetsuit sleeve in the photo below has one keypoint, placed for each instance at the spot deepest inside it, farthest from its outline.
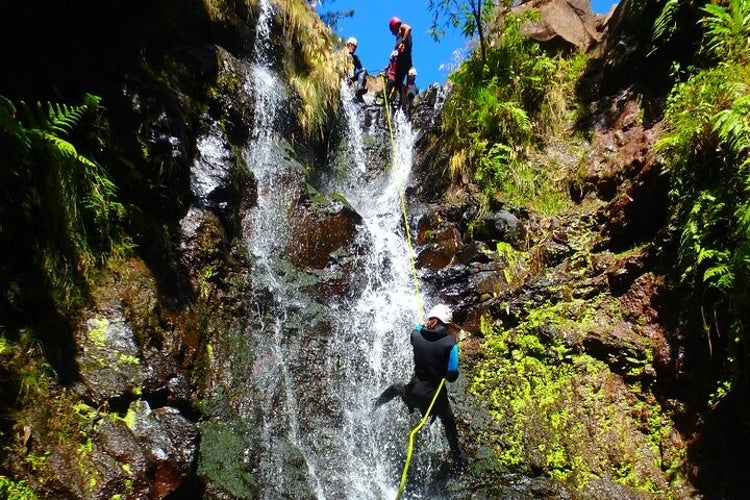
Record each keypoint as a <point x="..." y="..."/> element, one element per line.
<point x="452" y="373"/>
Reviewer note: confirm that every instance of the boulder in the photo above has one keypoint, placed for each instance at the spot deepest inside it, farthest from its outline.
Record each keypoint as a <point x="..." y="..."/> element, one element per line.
<point x="567" y="24"/>
<point x="108" y="359"/>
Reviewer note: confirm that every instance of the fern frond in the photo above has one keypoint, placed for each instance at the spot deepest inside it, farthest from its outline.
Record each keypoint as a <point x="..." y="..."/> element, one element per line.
<point x="716" y="271"/>
<point x="665" y="25"/>
<point x="62" y="147"/>
<point x="733" y="125"/>
<point x="728" y="29"/>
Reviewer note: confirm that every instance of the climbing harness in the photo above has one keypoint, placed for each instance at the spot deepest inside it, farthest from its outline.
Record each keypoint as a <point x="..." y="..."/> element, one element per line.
<point x="421" y="423"/>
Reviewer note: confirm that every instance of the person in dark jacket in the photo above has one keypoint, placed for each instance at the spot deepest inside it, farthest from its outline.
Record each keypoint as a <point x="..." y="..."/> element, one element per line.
<point x="400" y="57"/>
<point x="435" y="358"/>
<point x="357" y="77"/>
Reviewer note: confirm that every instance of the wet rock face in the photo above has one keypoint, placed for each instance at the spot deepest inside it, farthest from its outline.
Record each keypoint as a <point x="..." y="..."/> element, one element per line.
<point x="169" y="443"/>
<point x="109" y="360"/>
<point x="621" y="168"/>
<point x="321" y="230"/>
<point x="500" y="226"/>
<point x="149" y="454"/>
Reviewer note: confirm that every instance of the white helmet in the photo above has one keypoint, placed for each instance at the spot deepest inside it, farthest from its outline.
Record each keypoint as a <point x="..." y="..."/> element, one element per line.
<point x="441" y="312"/>
<point x="412" y="71"/>
<point x="352" y="41"/>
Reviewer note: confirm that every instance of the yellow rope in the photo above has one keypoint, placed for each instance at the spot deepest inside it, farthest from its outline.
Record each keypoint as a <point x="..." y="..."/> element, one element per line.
<point x="419" y="426"/>
<point x="403" y="205"/>
<point x="411" y="440"/>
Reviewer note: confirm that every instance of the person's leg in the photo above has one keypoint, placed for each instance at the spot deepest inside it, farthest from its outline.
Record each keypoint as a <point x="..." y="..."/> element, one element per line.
<point x="451" y="432"/>
<point x="391" y="90"/>
<point x="401" y="70"/>
<point x="389" y="393"/>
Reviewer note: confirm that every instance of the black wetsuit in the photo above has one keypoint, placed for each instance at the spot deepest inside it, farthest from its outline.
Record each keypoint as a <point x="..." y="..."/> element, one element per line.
<point x="403" y="61"/>
<point x="435" y="358"/>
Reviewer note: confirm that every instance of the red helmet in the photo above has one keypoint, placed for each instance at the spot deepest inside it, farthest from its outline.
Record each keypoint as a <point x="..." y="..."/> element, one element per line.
<point x="394" y="24"/>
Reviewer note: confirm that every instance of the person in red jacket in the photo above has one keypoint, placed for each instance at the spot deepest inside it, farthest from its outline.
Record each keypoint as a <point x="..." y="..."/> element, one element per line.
<point x="435" y="358"/>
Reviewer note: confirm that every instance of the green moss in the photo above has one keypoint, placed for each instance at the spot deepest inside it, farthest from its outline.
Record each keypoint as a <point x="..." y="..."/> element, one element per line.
<point x="559" y="410"/>
<point x="15" y="490"/>
<point x="220" y="460"/>
<point x="98" y="334"/>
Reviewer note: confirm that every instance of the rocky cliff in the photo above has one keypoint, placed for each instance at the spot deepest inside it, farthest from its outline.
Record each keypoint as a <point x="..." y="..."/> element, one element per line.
<point x="130" y="394"/>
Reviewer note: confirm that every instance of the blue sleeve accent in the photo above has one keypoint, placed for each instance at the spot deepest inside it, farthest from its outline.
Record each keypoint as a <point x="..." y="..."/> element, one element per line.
<point x="453" y="359"/>
<point x="419" y="328"/>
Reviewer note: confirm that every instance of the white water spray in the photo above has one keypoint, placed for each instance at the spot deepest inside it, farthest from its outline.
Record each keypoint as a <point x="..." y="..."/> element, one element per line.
<point x="311" y="392"/>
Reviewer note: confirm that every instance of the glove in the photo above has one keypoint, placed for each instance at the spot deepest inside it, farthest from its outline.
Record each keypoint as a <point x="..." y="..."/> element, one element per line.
<point x="394" y="54"/>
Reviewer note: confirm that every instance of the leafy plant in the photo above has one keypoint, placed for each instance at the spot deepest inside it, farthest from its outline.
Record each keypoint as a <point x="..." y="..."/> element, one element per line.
<point x="706" y="152"/>
<point x="501" y="105"/>
<point x="728" y="29"/>
<point x="15" y="490"/>
<point x="57" y="200"/>
<point x="472" y="16"/>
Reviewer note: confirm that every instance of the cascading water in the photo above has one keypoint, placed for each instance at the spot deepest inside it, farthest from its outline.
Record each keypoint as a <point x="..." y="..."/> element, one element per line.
<point x="371" y="336"/>
<point x="270" y="389"/>
<point x="308" y="393"/>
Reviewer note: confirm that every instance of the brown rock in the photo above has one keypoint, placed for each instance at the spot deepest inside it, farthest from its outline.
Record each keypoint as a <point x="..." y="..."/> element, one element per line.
<point x="566" y="23"/>
<point x="319" y="232"/>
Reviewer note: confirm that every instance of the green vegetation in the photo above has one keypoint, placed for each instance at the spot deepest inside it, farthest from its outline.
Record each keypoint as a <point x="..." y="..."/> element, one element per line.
<point x="558" y="410"/>
<point x="473" y="16"/>
<point x="56" y="203"/>
<point x="15" y="490"/>
<point x="221" y="459"/>
<point x="49" y="417"/>
<point x="706" y="154"/>
<point x="314" y="69"/>
<point x="504" y="103"/>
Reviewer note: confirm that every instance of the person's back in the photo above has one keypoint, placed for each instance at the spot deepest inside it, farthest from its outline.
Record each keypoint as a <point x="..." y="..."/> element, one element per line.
<point x="435" y="358"/>
<point x="432" y="348"/>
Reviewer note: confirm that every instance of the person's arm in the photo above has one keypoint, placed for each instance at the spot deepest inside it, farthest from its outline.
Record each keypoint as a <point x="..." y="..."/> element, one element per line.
<point x="452" y="373"/>
<point x="404" y="32"/>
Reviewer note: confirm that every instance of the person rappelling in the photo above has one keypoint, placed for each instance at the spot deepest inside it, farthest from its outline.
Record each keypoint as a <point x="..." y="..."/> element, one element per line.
<point x="435" y="358"/>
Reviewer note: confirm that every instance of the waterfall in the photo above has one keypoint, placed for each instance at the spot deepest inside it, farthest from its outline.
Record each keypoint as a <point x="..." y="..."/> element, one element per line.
<point x="370" y="347"/>
<point x="302" y="397"/>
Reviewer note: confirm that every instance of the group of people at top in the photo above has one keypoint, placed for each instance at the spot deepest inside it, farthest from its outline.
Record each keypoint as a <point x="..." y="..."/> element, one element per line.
<point x="399" y="67"/>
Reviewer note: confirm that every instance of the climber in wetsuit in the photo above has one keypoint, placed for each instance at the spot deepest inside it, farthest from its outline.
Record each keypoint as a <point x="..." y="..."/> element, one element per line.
<point x="435" y="358"/>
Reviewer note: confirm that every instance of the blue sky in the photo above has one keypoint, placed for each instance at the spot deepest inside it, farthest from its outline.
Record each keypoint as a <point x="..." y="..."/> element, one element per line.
<point x="369" y="26"/>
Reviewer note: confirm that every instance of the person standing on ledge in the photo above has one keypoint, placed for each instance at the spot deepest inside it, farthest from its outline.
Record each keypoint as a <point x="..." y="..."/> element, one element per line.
<point x="435" y="358"/>
<point x="402" y="55"/>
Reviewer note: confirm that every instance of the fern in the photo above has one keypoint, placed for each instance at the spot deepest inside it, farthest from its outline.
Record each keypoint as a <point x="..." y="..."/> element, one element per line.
<point x="666" y="25"/>
<point x="69" y="199"/>
<point x="728" y="30"/>
<point x="733" y="124"/>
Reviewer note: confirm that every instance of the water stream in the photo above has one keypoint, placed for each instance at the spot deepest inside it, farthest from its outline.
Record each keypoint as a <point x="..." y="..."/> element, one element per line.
<point x="317" y="364"/>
